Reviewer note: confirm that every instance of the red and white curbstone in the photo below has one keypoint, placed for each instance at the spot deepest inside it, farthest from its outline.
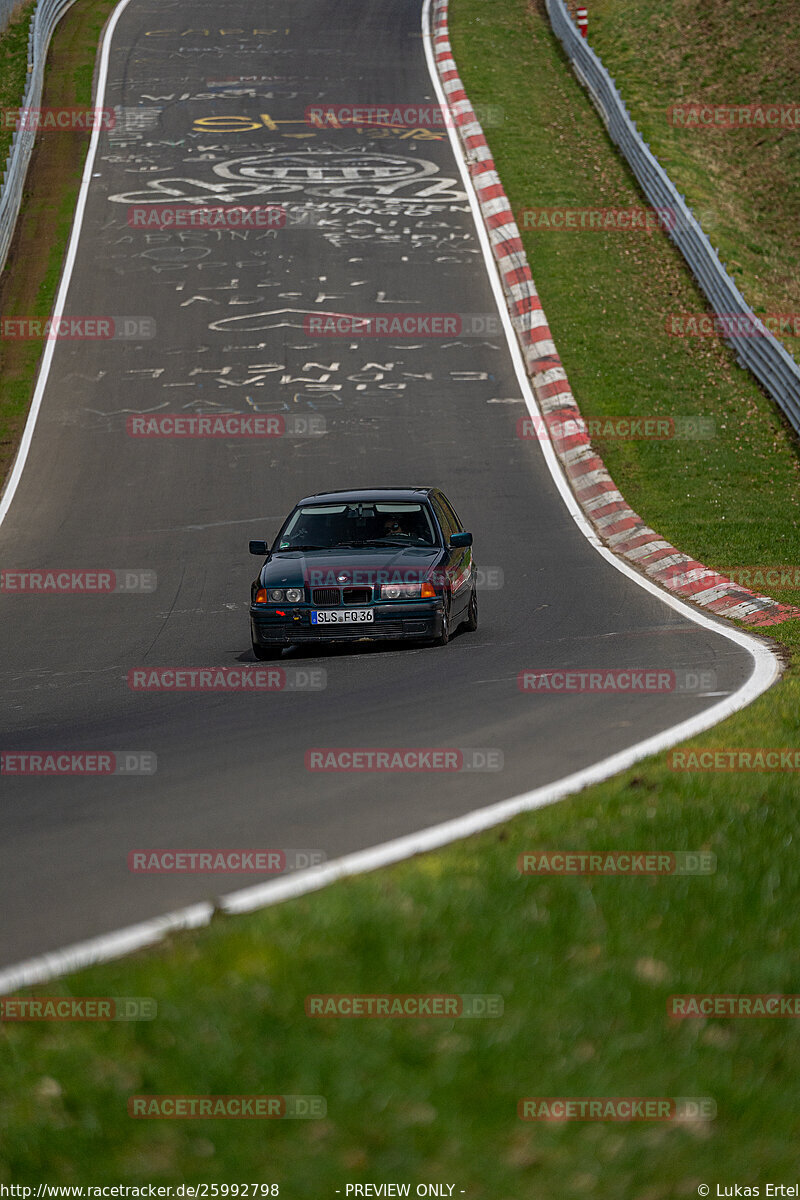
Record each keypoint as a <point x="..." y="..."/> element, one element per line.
<point x="616" y="523"/>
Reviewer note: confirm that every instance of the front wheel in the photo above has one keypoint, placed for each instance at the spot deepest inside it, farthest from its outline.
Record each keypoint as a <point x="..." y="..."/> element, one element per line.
<point x="471" y="622"/>
<point x="444" y="636"/>
<point x="266" y="653"/>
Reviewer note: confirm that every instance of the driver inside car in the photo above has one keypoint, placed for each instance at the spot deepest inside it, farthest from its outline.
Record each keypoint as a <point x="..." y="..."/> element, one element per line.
<point x="393" y="528"/>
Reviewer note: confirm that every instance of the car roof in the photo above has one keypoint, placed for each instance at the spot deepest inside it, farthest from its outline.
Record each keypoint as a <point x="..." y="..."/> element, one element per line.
<point x="379" y="494"/>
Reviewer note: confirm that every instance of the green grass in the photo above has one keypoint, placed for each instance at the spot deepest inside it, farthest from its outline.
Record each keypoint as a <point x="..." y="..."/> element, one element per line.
<point x="745" y="182"/>
<point x="585" y="965"/>
<point x="29" y="281"/>
<point x="607" y="296"/>
<point x="16" y="386"/>
<point x="13" y="67"/>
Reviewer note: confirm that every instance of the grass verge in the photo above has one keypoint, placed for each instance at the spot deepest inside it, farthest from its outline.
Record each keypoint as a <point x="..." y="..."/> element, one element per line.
<point x="607" y="295"/>
<point x="29" y="281"/>
<point x="585" y="965"/>
<point x="13" y="67"/>
<point x="745" y="180"/>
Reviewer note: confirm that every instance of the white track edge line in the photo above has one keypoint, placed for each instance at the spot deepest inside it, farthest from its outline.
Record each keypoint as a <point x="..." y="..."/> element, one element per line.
<point x="766" y="670"/>
<point x="66" y="276"/>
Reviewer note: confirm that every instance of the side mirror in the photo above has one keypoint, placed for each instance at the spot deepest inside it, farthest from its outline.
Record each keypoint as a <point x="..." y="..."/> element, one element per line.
<point x="461" y="539"/>
<point x="259" y="548"/>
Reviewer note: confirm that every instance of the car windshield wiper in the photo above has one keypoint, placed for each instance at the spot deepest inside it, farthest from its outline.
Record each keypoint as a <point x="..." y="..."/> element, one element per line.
<point x="304" y="548"/>
<point x="376" y="542"/>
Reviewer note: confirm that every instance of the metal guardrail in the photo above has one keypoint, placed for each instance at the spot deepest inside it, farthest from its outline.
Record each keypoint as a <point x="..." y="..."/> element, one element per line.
<point x="765" y="356"/>
<point x="44" y="20"/>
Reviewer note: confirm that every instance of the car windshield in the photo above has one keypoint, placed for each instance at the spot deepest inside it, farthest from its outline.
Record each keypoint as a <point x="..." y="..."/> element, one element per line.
<point x="361" y="523"/>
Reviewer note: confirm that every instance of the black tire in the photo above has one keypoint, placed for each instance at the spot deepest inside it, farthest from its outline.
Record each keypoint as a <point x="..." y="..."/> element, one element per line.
<point x="444" y="636"/>
<point x="266" y="653"/>
<point x="471" y="622"/>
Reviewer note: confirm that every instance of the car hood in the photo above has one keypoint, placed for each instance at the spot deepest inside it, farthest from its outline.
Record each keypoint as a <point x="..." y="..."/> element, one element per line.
<point x="361" y="565"/>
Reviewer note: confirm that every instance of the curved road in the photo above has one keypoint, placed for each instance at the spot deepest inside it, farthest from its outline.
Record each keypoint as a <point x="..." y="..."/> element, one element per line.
<point x="392" y="232"/>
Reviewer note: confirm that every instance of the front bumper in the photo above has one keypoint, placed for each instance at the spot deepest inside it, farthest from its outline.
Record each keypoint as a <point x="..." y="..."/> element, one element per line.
<point x="415" y="621"/>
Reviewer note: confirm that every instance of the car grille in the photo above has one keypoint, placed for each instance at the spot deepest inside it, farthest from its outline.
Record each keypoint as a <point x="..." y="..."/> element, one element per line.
<point x="357" y="595"/>
<point x="330" y="597"/>
<point x="384" y="629"/>
<point x="325" y="597"/>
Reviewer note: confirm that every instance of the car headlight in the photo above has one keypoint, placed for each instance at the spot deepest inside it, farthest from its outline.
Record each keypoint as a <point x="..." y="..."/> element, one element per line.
<point x="294" y="595"/>
<point x="407" y="591"/>
<point x="275" y="595"/>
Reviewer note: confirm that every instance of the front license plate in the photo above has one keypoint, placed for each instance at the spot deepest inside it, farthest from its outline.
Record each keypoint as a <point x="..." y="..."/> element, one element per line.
<point x="343" y="616"/>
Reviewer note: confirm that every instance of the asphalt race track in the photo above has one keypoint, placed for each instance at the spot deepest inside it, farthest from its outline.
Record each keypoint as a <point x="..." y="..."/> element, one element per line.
<point x="380" y="224"/>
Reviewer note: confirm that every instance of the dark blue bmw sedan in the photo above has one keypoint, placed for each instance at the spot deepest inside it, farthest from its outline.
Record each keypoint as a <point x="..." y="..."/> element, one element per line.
<point x="373" y="564"/>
